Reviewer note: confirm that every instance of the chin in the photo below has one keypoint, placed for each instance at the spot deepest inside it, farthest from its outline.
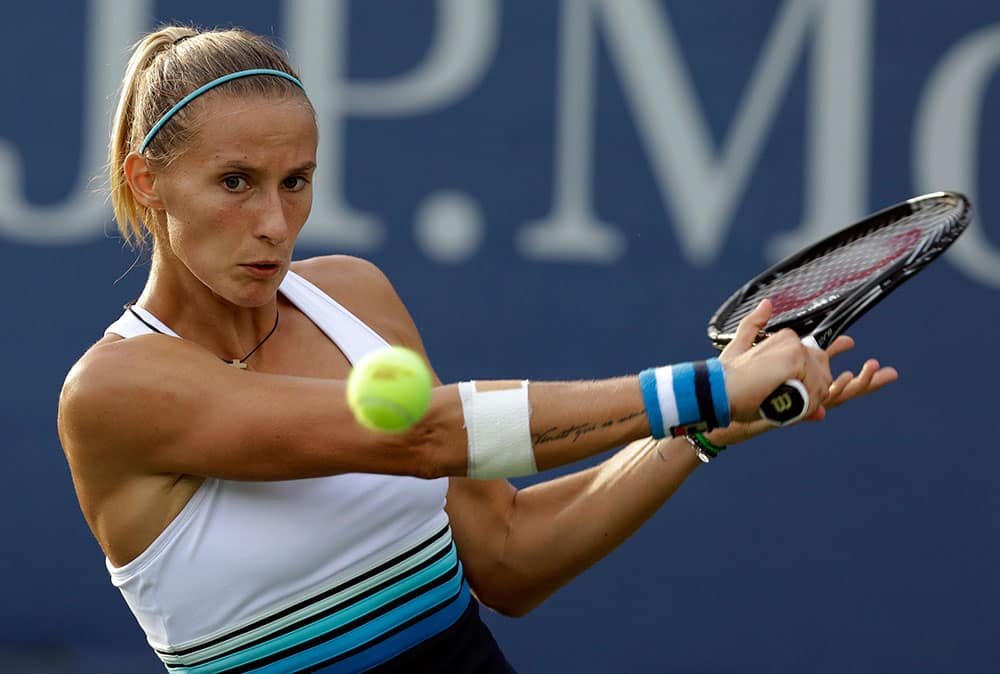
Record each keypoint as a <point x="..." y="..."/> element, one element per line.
<point x="249" y="297"/>
<point x="251" y="293"/>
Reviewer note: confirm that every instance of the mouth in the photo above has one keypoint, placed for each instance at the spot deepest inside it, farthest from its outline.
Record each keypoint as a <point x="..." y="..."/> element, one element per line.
<point x="262" y="268"/>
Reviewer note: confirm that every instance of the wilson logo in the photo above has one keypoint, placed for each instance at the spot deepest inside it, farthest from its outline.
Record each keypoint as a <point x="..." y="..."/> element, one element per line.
<point x="782" y="403"/>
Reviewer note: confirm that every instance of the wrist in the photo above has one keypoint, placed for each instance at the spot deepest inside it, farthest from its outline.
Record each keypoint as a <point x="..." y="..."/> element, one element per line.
<point x="685" y="398"/>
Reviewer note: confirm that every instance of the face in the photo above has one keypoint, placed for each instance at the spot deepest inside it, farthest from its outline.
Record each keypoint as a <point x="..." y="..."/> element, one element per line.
<point x="237" y="197"/>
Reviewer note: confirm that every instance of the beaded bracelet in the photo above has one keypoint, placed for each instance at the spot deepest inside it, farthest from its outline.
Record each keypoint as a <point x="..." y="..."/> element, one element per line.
<point x="703" y="447"/>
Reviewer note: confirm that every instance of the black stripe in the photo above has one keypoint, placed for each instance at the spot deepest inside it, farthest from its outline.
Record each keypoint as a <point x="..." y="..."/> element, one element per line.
<point x="343" y="629"/>
<point x="336" y="607"/>
<point x="312" y="600"/>
<point x="703" y="393"/>
<point x="143" y="320"/>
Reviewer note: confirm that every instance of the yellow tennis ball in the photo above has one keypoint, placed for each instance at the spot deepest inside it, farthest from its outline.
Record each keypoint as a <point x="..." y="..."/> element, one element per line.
<point x="389" y="389"/>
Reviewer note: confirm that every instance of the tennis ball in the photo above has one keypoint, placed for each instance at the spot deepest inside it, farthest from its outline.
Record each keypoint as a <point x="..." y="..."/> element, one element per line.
<point x="389" y="389"/>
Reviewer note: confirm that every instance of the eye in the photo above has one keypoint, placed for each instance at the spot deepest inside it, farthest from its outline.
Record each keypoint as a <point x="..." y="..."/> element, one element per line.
<point x="235" y="183"/>
<point x="294" y="183"/>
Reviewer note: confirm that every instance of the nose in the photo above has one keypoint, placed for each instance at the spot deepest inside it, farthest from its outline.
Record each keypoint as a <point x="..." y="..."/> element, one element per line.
<point x="271" y="223"/>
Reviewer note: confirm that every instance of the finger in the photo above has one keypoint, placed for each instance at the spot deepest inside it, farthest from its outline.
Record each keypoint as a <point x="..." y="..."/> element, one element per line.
<point x="839" y="384"/>
<point x="817" y="381"/>
<point x="840" y="345"/>
<point x="868" y="371"/>
<point x="863" y="385"/>
<point x="858" y="386"/>
<point x="824" y="378"/>
<point x="750" y="328"/>
<point x="818" y="414"/>
<point x="884" y="376"/>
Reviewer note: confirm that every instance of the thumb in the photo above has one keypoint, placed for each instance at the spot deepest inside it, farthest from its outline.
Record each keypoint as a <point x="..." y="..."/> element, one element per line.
<point x="749" y="329"/>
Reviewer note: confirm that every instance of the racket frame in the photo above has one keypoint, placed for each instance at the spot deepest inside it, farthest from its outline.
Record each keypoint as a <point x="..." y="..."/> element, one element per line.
<point x="830" y="319"/>
<point x="820" y="326"/>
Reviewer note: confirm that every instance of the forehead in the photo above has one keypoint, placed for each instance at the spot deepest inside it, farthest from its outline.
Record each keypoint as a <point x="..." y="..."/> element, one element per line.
<point x="254" y="127"/>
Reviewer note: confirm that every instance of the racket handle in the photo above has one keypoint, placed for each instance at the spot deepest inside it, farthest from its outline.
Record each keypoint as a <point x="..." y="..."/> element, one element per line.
<point x="787" y="403"/>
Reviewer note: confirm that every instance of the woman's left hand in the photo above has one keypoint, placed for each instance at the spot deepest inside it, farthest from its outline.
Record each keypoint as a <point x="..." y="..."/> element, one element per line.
<point x="845" y="387"/>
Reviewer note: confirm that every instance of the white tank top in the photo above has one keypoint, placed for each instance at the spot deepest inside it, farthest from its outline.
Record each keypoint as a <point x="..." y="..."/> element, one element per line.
<point x="342" y="572"/>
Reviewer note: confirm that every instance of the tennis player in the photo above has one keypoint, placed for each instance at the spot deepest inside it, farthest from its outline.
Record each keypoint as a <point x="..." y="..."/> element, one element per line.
<point x="249" y="522"/>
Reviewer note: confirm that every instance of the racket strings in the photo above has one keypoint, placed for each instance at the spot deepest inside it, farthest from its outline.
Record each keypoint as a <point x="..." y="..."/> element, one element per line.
<point x="833" y="272"/>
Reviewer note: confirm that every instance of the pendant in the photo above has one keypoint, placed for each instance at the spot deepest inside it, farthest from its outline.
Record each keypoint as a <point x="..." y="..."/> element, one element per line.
<point x="238" y="364"/>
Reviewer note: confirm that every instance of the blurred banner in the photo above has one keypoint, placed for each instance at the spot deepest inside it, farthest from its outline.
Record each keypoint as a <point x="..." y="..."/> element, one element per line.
<point x="568" y="189"/>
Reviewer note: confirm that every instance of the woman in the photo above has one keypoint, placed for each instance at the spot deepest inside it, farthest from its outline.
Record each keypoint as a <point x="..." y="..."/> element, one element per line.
<point x="248" y="520"/>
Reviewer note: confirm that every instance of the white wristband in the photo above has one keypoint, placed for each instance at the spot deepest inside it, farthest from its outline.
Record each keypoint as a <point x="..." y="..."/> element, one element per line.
<point x="499" y="431"/>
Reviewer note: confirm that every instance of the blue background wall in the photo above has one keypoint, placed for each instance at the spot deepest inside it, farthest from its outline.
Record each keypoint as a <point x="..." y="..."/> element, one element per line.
<point x="868" y="543"/>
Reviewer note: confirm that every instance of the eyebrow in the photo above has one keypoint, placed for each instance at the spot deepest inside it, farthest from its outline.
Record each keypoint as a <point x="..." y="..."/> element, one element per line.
<point x="248" y="168"/>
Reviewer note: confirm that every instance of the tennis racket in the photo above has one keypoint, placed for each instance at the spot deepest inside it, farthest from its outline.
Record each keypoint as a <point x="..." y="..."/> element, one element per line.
<point x="823" y="289"/>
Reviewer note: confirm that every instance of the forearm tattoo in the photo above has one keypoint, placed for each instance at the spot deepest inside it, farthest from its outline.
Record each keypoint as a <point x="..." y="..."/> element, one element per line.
<point x="577" y="431"/>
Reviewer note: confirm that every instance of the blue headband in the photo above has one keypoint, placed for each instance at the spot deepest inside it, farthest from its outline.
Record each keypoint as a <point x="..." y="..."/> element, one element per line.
<point x="211" y="85"/>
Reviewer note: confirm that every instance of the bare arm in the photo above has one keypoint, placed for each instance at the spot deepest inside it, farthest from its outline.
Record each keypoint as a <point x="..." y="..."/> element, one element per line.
<point x="190" y="414"/>
<point x="193" y="415"/>
<point x="520" y="546"/>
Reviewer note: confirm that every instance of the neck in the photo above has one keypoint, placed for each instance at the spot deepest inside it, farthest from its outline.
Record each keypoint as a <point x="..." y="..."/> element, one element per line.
<point x="199" y="314"/>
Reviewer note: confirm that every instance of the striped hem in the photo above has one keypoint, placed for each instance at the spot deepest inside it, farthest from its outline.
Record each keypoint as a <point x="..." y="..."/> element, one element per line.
<point x="365" y="620"/>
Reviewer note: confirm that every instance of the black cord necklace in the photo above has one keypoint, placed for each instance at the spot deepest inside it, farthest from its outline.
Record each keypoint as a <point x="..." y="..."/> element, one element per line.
<point x="240" y="363"/>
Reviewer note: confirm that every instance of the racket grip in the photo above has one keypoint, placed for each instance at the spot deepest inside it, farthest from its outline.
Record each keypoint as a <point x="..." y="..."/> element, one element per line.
<point x="787" y="403"/>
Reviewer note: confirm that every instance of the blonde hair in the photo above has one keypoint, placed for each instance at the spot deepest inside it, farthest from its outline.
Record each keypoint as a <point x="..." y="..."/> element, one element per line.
<point x="165" y="66"/>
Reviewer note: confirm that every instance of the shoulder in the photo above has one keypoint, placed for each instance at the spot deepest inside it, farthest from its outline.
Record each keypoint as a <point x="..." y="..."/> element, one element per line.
<point x="331" y="270"/>
<point x="344" y="277"/>
<point x="97" y="372"/>
<point x="114" y="361"/>
<point x="88" y="395"/>
<point x="362" y="288"/>
<point x="107" y="392"/>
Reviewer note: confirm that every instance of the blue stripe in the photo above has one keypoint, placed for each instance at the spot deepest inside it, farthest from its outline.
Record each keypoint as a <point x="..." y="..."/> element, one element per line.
<point x="392" y="646"/>
<point x="720" y="399"/>
<point x="403" y="641"/>
<point x="396" y="567"/>
<point x="647" y="383"/>
<point x="687" y="401"/>
<point x="332" y="622"/>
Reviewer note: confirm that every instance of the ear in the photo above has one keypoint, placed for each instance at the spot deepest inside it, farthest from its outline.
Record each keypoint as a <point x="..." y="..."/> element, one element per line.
<point x="142" y="180"/>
